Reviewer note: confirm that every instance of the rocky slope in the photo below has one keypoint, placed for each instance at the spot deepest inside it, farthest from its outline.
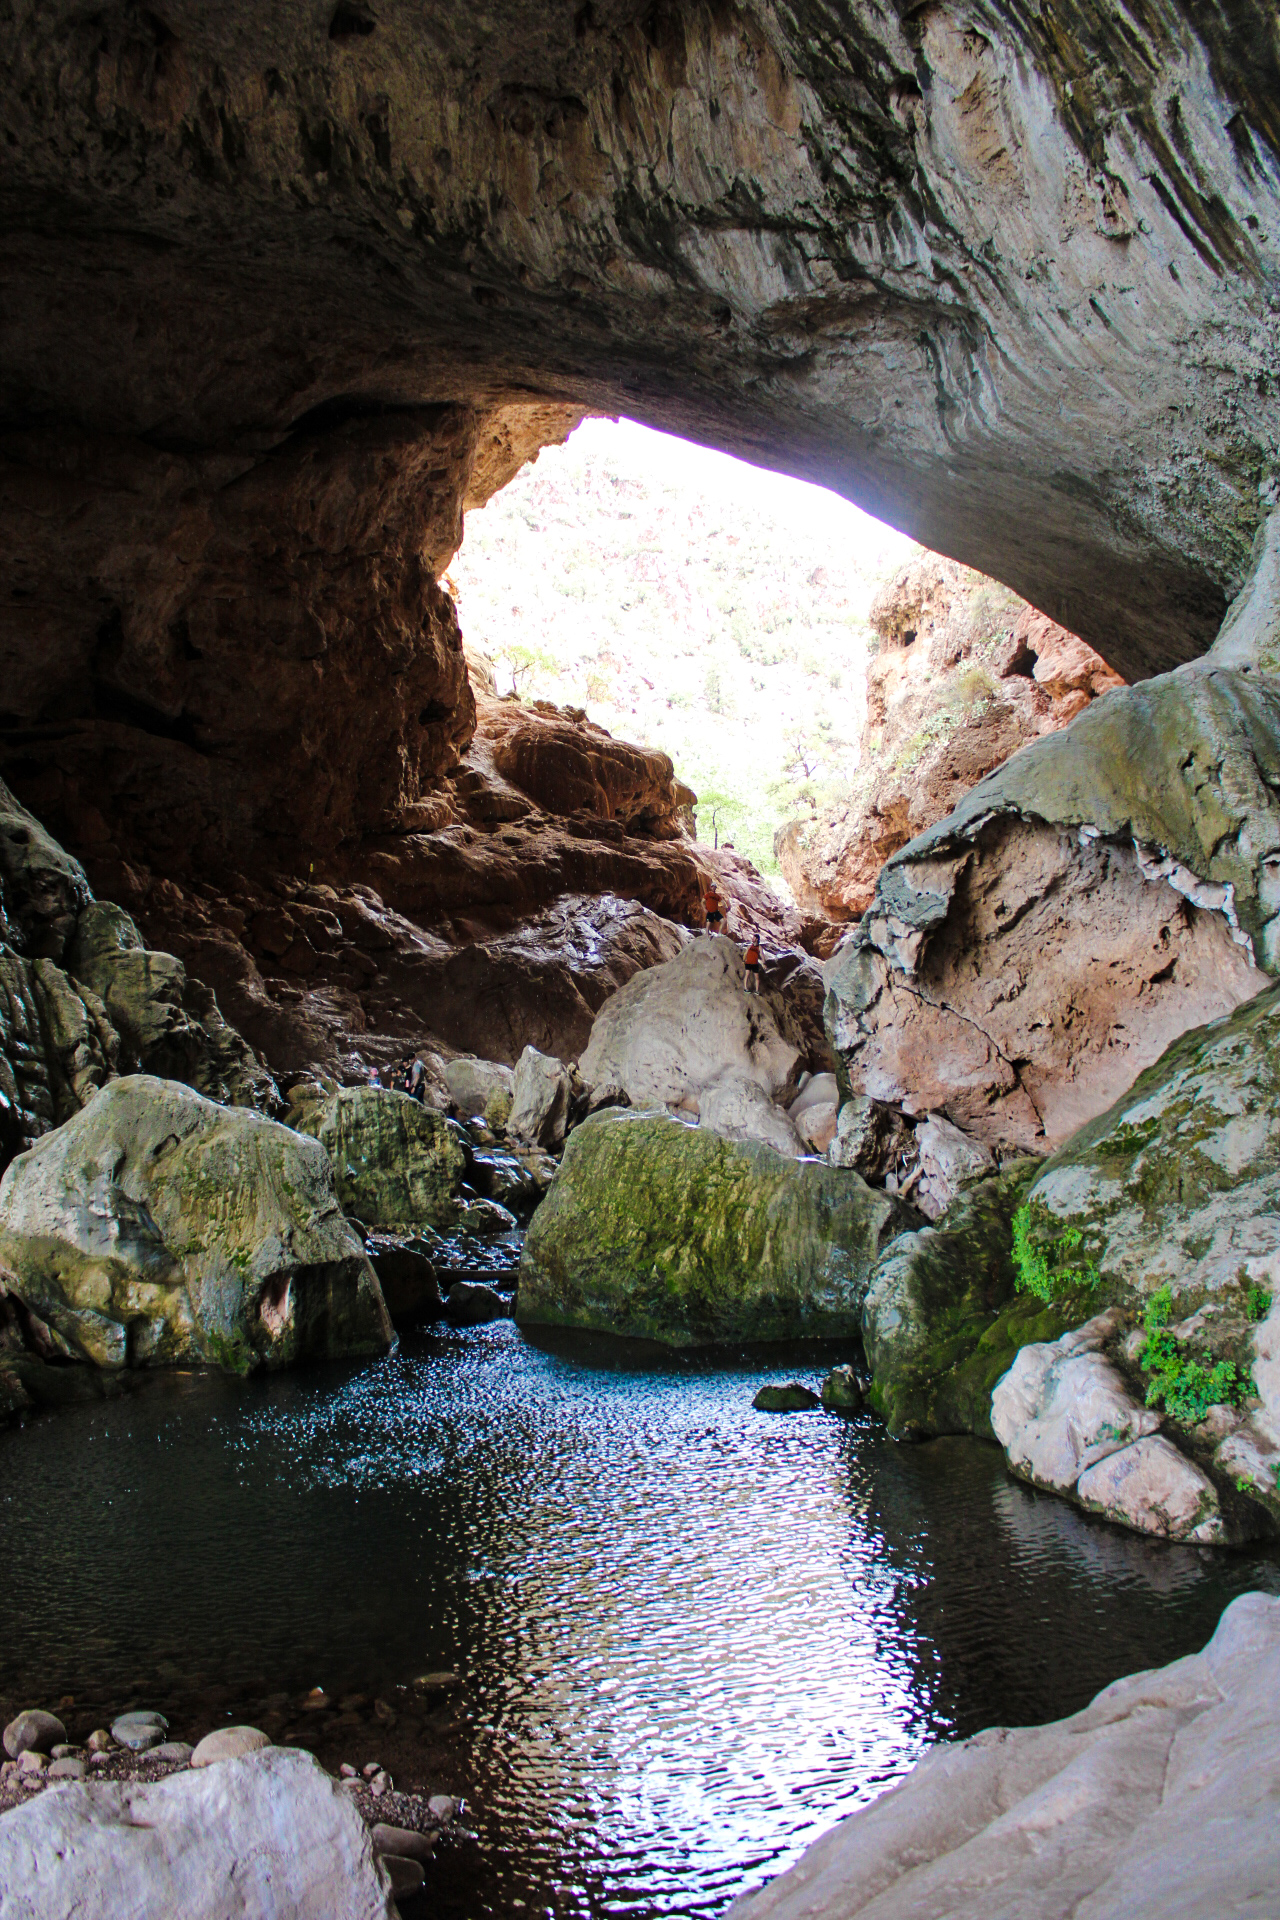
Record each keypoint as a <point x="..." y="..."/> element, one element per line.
<point x="962" y="675"/>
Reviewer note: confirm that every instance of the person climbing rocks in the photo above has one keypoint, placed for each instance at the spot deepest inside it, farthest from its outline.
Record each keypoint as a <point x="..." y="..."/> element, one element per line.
<point x="712" y="908"/>
<point x="751" y="960"/>
<point x="375" y="1078"/>
<point x="418" y="1080"/>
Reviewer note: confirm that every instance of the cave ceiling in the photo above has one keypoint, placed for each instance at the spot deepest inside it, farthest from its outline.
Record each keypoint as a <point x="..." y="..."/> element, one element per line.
<point x="286" y="287"/>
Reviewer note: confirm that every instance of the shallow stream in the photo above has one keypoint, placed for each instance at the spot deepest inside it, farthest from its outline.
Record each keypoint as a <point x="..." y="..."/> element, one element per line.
<point x="691" y="1635"/>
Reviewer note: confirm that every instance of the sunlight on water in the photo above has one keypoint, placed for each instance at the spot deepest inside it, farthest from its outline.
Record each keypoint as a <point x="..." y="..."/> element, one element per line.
<point x="693" y="1634"/>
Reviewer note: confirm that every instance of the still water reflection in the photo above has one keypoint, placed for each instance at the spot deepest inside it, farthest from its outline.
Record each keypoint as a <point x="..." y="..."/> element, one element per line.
<point x="693" y="1634"/>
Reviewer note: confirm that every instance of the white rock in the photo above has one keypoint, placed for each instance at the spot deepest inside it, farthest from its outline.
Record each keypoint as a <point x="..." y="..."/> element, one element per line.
<point x="947" y="1158"/>
<point x="817" y="1125"/>
<point x="819" y="1090"/>
<point x="228" y="1743"/>
<point x="675" y="1029"/>
<point x="1067" y="1421"/>
<point x="1155" y="1803"/>
<point x="540" y="1103"/>
<point x="1153" y="1488"/>
<point x="740" y="1109"/>
<point x="268" y="1838"/>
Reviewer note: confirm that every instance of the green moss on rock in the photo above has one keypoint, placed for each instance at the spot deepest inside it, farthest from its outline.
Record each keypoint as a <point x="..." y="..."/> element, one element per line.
<point x="669" y="1232"/>
<point x="943" y="1318"/>
<point x="398" y="1165"/>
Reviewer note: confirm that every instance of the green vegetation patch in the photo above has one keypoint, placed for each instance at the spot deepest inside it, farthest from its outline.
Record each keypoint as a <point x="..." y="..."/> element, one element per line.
<point x="1049" y="1263"/>
<point x="1186" y="1387"/>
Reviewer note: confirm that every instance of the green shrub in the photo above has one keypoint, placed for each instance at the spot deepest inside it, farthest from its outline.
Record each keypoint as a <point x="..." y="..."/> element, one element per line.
<point x="1046" y="1264"/>
<point x="1185" y="1387"/>
<point x="1258" y="1304"/>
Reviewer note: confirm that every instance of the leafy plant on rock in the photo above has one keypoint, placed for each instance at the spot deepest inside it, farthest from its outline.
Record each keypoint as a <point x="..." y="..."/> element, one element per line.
<point x="1184" y="1386"/>
<point x="1048" y="1264"/>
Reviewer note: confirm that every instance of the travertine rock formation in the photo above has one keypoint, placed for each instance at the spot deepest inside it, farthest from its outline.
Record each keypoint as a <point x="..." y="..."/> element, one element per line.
<point x="964" y="674"/>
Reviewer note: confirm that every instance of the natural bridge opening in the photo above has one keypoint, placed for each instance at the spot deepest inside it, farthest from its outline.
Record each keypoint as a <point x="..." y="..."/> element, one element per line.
<point x="690" y="602"/>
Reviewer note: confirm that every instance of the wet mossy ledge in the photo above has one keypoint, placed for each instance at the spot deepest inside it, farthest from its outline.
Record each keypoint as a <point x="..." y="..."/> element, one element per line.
<point x="1112" y="1314"/>
<point x="667" y="1232"/>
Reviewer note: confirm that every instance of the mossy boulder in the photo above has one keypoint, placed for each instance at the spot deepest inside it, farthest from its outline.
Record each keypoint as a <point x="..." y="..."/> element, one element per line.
<point x="842" y="1391"/>
<point x="158" y="1228"/>
<point x="669" y="1232"/>
<point x="943" y="1319"/>
<point x="398" y="1165"/>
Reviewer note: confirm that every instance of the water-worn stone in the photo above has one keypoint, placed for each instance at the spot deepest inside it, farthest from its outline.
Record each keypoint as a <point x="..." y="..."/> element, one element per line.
<point x="472" y="1304"/>
<point x="139" y="1730"/>
<point x="1154" y="1803"/>
<point x="1067" y="1421"/>
<point x="739" y="1108"/>
<point x="540" y="1099"/>
<point x="270" y="1837"/>
<point x="228" y="1743"/>
<point x="792" y="1398"/>
<point x="68" y="1768"/>
<point x="156" y="1228"/>
<point x="442" y="1807"/>
<point x="842" y="1391"/>
<point x="397" y="1164"/>
<point x="405" y="1842"/>
<point x="33" y="1731"/>
<point x="480" y="1086"/>
<point x="870" y="1137"/>
<point x="676" y="1030"/>
<point x="666" y="1231"/>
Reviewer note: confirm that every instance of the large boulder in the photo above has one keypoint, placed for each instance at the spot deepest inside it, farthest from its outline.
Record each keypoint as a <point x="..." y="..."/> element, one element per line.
<point x="1067" y="1420"/>
<point x="541" y="1095"/>
<point x="1154" y="1803"/>
<point x="265" y="1837"/>
<point x="1108" y="888"/>
<point x="156" y="1228"/>
<point x="667" y="1231"/>
<point x="398" y="1165"/>
<point x="674" y="1030"/>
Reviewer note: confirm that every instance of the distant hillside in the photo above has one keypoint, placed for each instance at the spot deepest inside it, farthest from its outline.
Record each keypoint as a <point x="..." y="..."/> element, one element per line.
<point x="689" y="603"/>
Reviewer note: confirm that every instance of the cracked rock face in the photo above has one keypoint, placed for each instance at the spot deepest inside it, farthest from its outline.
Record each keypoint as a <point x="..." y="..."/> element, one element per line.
<point x="1108" y="888"/>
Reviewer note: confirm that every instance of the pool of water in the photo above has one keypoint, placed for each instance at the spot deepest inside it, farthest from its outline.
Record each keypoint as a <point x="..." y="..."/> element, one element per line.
<point x="692" y="1635"/>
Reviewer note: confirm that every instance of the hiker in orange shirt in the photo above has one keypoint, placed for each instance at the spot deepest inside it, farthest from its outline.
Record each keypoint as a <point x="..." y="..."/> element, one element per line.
<point x="752" y="962"/>
<point x="711" y="903"/>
